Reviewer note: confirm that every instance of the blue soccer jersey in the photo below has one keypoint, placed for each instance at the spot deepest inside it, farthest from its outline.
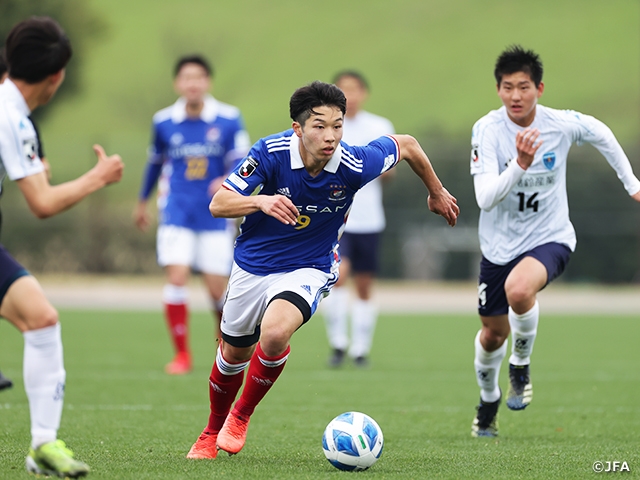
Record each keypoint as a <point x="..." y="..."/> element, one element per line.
<point x="274" y="166"/>
<point x="189" y="153"/>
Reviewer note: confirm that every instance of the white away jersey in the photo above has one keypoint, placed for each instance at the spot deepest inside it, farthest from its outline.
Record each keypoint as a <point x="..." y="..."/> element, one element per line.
<point x="18" y="140"/>
<point x="274" y="167"/>
<point x="367" y="212"/>
<point x="523" y="209"/>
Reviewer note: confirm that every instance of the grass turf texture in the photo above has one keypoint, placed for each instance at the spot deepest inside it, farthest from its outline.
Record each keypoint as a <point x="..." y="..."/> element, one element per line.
<point x="127" y="419"/>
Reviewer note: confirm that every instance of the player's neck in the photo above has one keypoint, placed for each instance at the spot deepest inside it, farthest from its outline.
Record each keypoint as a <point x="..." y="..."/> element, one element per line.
<point x="31" y="92"/>
<point x="194" y="109"/>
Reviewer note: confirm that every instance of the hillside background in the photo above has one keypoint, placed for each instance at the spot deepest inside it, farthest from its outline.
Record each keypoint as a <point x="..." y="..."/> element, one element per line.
<point x="430" y="67"/>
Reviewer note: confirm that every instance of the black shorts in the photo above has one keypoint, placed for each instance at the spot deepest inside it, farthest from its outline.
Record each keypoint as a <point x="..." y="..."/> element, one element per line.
<point x="362" y="251"/>
<point x="10" y="271"/>
<point x="492" y="299"/>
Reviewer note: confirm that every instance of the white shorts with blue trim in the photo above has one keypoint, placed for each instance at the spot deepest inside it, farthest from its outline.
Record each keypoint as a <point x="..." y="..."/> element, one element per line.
<point x="248" y="295"/>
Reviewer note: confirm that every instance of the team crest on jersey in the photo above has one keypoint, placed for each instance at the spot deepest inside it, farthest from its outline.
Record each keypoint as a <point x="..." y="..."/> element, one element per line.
<point x="176" y="139"/>
<point x="549" y="160"/>
<point x="213" y="134"/>
<point x="30" y="149"/>
<point x="248" y="167"/>
<point x="337" y="192"/>
<point x="474" y="153"/>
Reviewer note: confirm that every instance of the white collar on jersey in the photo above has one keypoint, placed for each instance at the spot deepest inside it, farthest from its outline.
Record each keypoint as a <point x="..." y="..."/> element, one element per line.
<point x="208" y="114"/>
<point x="15" y="96"/>
<point x="296" y="160"/>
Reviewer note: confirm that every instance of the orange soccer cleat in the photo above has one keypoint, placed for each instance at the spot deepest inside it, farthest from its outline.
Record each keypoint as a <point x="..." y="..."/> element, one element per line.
<point x="233" y="433"/>
<point x="204" y="448"/>
<point x="180" y="365"/>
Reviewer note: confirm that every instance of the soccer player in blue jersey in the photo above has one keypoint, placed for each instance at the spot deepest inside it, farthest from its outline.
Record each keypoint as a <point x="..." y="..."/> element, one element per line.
<point x="37" y="51"/>
<point x="196" y="143"/>
<point x="294" y="190"/>
<point x="519" y="167"/>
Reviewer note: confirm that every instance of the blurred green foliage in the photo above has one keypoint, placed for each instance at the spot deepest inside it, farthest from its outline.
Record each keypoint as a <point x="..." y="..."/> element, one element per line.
<point x="430" y="66"/>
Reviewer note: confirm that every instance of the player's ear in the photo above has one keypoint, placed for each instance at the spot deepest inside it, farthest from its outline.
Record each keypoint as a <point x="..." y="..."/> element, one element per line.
<point x="297" y="128"/>
<point x="540" y="89"/>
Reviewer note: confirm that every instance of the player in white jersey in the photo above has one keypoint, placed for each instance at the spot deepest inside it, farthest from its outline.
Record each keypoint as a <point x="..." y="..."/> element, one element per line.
<point x="518" y="163"/>
<point x="359" y="246"/>
<point x="37" y="51"/>
<point x="294" y="191"/>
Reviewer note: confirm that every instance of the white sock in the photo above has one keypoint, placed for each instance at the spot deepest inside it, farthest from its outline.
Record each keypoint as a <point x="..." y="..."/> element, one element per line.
<point x="174" y="294"/>
<point x="523" y="334"/>
<point x="336" y="306"/>
<point x="487" y="365"/>
<point x="44" y="380"/>
<point x="363" y="324"/>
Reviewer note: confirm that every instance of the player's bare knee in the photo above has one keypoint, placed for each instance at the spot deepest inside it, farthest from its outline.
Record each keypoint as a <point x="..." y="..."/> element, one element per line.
<point x="274" y="341"/>
<point x="493" y="338"/>
<point x="520" y="296"/>
<point x="46" y="317"/>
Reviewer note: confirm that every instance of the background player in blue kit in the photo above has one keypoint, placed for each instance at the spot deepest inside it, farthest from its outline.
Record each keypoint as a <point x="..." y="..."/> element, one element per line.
<point x="286" y="256"/>
<point x="196" y="143"/>
<point x="519" y="163"/>
<point x="37" y="51"/>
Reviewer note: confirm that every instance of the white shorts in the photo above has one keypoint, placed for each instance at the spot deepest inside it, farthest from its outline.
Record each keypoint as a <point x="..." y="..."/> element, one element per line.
<point x="248" y="296"/>
<point x="205" y="251"/>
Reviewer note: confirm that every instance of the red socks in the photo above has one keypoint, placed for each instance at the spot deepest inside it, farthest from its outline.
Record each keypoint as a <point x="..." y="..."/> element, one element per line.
<point x="222" y="392"/>
<point x="263" y="372"/>
<point x="177" y="320"/>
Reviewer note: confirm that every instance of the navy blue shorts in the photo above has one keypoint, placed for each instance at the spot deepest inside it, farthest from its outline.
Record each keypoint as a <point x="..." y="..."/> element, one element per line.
<point x="362" y="251"/>
<point x="10" y="271"/>
<point x="492" y="299"/>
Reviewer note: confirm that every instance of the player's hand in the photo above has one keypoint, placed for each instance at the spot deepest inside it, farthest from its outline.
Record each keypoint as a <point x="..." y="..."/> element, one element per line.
<point x="110" y="168"/>
<point x="445" y="204"/>
<point x="636" y="196"/>
<point x="141" y="217"/>
<point x="526" y="146"/>
<point x="279" y="207"/>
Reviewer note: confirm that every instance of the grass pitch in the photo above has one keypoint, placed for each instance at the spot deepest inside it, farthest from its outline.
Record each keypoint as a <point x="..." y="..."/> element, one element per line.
<point x="128" y="420"/>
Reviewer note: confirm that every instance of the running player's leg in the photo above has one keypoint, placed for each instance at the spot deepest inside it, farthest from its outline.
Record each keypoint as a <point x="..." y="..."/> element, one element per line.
<point x="26" y="306"/>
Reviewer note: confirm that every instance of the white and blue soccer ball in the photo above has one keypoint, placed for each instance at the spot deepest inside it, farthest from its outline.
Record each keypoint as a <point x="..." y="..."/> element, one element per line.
<point x="352" y="441"/>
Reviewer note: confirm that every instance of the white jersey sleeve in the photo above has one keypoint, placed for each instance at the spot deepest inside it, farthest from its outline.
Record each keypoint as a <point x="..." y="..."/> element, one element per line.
<point x="585" y="128"/>
<point x="18" y="144"/>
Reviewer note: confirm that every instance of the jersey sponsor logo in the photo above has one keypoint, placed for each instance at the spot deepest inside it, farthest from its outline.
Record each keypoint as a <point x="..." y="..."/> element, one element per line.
<point x="549" y="160"/>
<point x="213" y="134"/>
<point x="248" y="167"/>
<point x="320" y="209"/>
<point x="337" y="192"/>
<point x="197" y="150"/>
<point x="537" y="181"/>
<point x="474" y="152"/>
<point x="30" y="149"/>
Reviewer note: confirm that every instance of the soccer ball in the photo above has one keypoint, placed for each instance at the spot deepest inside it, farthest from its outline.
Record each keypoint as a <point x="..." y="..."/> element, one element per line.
<point x="352" y="441"/>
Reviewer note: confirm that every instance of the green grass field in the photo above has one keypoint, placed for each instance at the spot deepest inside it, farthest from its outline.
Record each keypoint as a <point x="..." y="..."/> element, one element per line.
<point x="127" y="419"/>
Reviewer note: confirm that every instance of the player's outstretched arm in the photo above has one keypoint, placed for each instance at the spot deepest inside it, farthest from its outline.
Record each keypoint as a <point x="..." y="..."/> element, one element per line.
<point x="440" y="201"/>
<point x="46" y="200"/>
<point x="229" y="204"/>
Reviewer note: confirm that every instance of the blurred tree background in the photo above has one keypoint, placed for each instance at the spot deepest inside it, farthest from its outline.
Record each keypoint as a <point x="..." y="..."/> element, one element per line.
<point x="430" y="65"/>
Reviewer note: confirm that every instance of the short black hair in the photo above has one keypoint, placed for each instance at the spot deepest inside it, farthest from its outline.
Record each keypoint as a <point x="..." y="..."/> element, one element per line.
<point x="315" y="94"/>
<point x="197" y="59"/>
<point x="517" y="59"/>
<point x="36" y="48"/>
<point x="351" y="74"/>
